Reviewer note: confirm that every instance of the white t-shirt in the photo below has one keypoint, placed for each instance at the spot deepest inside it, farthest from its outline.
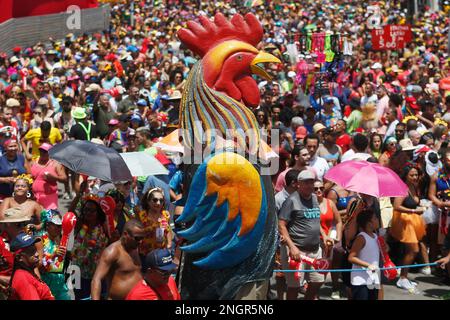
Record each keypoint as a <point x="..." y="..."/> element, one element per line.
<point x="320" y="165"/>
<point x="352" y="155"/>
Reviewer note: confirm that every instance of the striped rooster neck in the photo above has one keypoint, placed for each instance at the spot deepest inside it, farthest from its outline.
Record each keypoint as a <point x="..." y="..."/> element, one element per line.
<point x="204" y="110"/>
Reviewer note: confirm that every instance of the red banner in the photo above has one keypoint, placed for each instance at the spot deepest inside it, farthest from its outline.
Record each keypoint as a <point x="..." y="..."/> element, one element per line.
<point x="391" y="37"/>
<point x="26" y="8"/>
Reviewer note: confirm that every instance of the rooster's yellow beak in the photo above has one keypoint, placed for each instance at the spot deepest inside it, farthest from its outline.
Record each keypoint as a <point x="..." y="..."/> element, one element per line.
<point x="263" y="57"/>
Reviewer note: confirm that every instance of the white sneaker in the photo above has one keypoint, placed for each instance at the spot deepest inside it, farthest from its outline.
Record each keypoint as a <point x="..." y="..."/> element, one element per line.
<point x="405" y="284"/>
<point x="426" y="271"/>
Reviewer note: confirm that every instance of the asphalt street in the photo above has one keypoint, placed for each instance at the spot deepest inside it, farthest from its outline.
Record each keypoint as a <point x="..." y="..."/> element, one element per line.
<point x="429" y="286"/>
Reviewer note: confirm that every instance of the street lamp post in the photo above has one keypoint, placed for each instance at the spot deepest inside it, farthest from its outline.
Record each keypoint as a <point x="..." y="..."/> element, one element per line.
<point x="132" y="13"/>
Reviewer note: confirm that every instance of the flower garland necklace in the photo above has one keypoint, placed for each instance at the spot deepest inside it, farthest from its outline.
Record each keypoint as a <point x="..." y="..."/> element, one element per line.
<point x="91" y="235"/>
<point x="50" y="259"/>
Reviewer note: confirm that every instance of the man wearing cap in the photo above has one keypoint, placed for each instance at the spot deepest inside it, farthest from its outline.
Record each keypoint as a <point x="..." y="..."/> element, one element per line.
<point x="103" y="113"/>
<point x="25" y="284"/>
<point x="171" y="106"/>
<point x="299" y="225"/>
<point x="45" y="134"/>
<point x="120" y="264"/>
<point x="83" y="129"/>
<point x="51" y="255"/>
<point x="143" y="110"/>
<point x="118" y="139"/>
<point x="376" y="71"/>
<point x="159" y="284"/>
<point x="12" y="223"/>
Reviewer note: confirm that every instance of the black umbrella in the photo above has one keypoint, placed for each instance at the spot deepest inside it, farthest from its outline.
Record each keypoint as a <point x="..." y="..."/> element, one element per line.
<point x="91" y="159"/>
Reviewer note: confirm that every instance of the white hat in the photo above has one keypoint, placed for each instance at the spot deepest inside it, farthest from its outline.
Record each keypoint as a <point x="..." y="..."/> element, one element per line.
<point x="407" y="145"/>
<point x="14" y="59"/>
<point x="42" y="101"/>
<point x="377" y="65"/>
<point x="12" y="103"/>
<point x="306" y="175"/>
<point x="93" y="87"/>
<point x="291" y="74"/>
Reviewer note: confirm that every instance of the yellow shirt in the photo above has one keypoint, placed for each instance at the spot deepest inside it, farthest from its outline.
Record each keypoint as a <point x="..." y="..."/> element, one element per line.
<point x="35" y="136"/>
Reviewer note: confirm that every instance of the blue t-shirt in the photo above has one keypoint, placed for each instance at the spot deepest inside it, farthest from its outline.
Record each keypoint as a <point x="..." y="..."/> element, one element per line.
<point x="6" y="170"/>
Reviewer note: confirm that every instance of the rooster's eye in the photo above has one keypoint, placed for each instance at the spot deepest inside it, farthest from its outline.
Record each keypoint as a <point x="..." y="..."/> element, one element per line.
<point x="239" y="58"/>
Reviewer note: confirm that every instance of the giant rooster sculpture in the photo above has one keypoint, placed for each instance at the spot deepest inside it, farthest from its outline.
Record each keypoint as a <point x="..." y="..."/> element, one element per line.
<point x="231" y="238"/>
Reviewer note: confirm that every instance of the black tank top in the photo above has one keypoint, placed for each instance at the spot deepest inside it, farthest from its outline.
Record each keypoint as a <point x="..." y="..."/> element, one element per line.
<point x="409" y="202"/>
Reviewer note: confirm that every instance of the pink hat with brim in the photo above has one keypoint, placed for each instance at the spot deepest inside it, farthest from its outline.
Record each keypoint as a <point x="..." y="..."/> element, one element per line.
<point x="113" y="122"/>
<point x="45" y="146"/>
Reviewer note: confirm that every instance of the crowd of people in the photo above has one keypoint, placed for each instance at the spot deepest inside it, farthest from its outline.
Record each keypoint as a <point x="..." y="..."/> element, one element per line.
<point x="122" y="88"/>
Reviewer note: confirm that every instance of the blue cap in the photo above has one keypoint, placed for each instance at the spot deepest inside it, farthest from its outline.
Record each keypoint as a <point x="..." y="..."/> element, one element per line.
<point x="136" y="117"/>
<point x="142" y="102"/>
<point x="159" y="259"/>
<point x="328" y="100"/>
<point x="22" y="241"/>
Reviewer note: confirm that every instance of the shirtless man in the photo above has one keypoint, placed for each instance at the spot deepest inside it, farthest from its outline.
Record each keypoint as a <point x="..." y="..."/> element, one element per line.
<point x="120" y="264"/>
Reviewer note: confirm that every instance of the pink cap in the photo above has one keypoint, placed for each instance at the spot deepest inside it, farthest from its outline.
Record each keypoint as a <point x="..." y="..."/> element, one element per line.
<point x="45" y="146"/>
<point x="113" y="122"/>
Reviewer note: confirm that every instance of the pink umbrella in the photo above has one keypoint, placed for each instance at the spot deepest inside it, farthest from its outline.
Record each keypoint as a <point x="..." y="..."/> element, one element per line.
<point x="368" y="178"/>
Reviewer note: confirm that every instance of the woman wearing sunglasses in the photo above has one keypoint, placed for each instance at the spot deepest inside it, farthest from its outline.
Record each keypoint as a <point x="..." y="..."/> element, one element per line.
<point x="389" y="148"/>
<point x="331" y="232"/>
<point x="156" y="222"/>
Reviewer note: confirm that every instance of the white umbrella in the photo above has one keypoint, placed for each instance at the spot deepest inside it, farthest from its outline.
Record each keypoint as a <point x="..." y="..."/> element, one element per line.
<point x="143" y="164"/>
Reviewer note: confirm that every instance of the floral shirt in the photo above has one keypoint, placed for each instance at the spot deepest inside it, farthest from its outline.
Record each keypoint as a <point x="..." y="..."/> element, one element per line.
<point x="88" y="246"/>
<point x="50" y="260"/>
<point x="159" y="239"/>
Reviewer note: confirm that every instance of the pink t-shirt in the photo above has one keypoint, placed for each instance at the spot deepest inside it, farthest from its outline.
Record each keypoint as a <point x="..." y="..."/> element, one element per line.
<point x="281" y="180"/>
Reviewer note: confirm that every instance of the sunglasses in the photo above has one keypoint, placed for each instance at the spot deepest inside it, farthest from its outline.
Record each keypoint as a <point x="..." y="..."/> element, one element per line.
<point x="157" y="200"/>
<point x="319" y="188"/>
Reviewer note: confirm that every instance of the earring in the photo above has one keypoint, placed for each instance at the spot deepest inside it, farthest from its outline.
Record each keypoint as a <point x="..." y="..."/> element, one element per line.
<point x="28" y="194"/>
<point x="13" y="194"/>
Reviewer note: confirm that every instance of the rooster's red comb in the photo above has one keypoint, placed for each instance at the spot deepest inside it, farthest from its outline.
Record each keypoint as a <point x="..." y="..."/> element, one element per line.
<point x="201" y="37"/>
